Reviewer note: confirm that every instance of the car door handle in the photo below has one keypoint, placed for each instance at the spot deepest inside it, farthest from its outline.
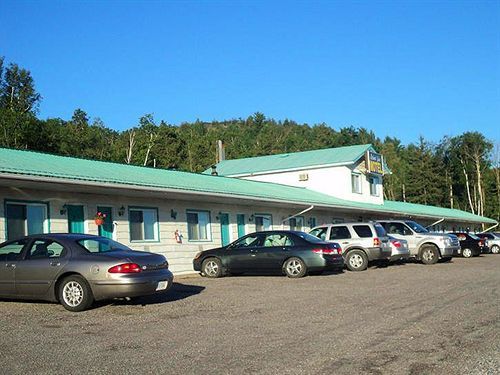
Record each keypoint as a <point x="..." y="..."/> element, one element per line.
<point x="55" y="264"/>
<point x="10" y="265"/>
<point x="345" y="243"/>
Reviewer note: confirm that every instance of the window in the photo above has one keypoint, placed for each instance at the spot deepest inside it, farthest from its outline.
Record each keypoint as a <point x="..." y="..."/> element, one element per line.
<point x="319" y="232"/>
<point x="249" y="241"/>
<point x="26" y="218"/>
<point x="12" y="250"/>
<point x="101" y="245"/>
<point x="277" y="240"/>
<point x="262" y="222"/>
<point x="363" y="231"/>
<point x="198" y="225"/>
<point x="312" y="222"/>
<point x="143" y="224"/>
<point x="296" y="223"/>
<point x="373" y="186"/>
<point x="397" y="228"/>
<point x="42" y="249"/>
<point x="356" y="183"/>
<point x="339" y="233"/>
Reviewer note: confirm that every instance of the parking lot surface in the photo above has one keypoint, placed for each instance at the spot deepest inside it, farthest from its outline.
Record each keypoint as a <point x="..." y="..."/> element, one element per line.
<point x="401" y="319"/>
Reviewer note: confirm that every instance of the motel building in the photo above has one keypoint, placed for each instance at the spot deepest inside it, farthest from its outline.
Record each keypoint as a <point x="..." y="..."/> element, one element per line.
<point x="178" y="213"/>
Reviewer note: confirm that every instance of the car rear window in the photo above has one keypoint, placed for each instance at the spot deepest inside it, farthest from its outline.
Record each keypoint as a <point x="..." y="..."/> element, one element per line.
<point x="101" y="245"/>
<point x="363" y="231"/>
<point x="339" y="233"/>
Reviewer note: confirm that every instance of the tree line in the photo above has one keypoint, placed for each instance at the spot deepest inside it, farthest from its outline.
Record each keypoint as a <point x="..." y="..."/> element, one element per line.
<point x="461" y="172"/>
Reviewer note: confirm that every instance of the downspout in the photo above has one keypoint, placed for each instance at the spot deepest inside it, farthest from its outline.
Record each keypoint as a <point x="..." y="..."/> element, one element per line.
<point x="298" y="214"/>
<point x="437" y="222"/>
<point x="490" y="228"/>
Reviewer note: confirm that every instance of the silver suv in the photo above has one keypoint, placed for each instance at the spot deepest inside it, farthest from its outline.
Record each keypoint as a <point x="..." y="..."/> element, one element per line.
<point x="424" y="245"/>
<point x="360" y="242"/>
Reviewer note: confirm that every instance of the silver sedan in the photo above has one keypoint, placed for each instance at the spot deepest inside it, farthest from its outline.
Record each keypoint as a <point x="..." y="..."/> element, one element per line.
<point x="78" y="269"/>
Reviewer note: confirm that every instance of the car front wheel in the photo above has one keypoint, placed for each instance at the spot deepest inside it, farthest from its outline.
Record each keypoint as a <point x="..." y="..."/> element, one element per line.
<point x="294" y="267"/>
<point x="495" y="249"/>
<point x="75" y="294"/>
<point x="212" y="268"/>
<point x="356" y="260"/>
<point x="430" y="255"/>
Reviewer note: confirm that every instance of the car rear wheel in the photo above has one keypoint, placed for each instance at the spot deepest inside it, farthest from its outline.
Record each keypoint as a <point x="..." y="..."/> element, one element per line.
<point x="294" y="267"/>
<point x="495" y="249"/>
<point x="467" y="253"/>
<point x="356" y="260"/>
<point x="212" y="268"/>
<point x="75" y="293"/>
<point x="430" y="255"/>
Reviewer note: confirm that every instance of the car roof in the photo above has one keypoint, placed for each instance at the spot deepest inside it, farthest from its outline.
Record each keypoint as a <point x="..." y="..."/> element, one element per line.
<point x="60" y="236"/>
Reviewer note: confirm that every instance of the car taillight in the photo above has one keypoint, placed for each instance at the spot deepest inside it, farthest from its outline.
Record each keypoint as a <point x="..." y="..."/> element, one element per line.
<point x="481" y="243"/>
<point x="396" y="244"/>
<point x="125" y="268"/>
<point x="327" y="251"/>
<point x="376" y="242"/>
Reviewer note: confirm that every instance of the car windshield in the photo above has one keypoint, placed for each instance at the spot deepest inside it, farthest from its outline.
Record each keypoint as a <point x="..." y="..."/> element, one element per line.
<point x="101" y="245"/>
<point x="416" y="227"/>
<point x="309" y="237"/>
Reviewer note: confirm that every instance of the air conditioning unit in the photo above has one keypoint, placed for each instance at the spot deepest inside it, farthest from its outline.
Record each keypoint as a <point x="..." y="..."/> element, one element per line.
<point x="303" y="177"/>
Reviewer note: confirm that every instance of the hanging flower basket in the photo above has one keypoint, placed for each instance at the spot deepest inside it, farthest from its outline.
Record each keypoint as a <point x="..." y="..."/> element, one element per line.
<point x="99" y="218"/>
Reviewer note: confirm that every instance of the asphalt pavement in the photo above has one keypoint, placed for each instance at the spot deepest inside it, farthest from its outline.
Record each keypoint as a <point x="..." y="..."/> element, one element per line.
<point x="402" y="319"/>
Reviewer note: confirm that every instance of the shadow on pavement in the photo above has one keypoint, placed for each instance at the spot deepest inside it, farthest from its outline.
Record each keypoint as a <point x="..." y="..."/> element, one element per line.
<point x="177" y="292"/>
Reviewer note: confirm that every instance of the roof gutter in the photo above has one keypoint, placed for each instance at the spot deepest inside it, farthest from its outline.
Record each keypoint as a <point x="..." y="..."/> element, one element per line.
<point x="298" y="214"/>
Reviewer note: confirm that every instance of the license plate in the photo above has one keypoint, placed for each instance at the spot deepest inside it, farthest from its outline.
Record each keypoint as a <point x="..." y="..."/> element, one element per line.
<point x="162" y="285"/>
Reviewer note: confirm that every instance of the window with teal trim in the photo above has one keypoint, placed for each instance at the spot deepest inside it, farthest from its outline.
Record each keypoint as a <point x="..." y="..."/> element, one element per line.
<point x="143" y="224"/>
<point x="198" y="225"/>
<point x="25" y="218"/>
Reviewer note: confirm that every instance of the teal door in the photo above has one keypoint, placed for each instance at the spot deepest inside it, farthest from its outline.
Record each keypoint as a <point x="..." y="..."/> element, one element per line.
<point x="240" y="219"/>
<point x="224" y="228"/>
<point x="106" y="230"/>
<point x="75" y="219"/>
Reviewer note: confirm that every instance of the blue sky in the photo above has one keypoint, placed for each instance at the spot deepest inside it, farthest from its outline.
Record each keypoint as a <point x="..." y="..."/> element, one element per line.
<point x="399" y="68"/>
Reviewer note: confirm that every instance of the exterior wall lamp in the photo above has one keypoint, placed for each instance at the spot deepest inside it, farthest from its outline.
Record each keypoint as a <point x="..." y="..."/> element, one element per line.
<point x="121" y="211"/>
<point x="173" y="214"/>
<point x="250" y="218"/>
<point x="64" y="209"/>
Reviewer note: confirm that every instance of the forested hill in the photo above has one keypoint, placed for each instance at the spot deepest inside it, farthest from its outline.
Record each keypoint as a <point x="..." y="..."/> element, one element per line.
<point x="460" y="172"/>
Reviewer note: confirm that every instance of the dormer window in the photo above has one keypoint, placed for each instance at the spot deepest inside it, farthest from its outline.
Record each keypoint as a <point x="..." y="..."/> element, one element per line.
<point x="356" y="183"/>
<point x="373" y="185"/>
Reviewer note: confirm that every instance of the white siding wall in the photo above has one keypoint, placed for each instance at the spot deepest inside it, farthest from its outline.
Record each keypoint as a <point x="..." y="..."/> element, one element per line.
<point x="334" y="181"/>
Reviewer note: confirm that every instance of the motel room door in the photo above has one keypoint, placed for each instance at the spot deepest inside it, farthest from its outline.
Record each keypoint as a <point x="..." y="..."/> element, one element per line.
<point x="75" y="219"/>
<point x="224" y="228"/>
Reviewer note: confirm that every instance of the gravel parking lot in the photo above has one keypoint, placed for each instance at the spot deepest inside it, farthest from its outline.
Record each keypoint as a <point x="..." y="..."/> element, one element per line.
<point x="402" y="319"/>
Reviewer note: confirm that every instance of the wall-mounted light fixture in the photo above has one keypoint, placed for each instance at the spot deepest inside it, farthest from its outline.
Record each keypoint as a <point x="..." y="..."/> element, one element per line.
<point x="63" y="210"/>
<point x="121" y="211"/>
<point x="173" y="214"/>
<point x="250" y="218"/>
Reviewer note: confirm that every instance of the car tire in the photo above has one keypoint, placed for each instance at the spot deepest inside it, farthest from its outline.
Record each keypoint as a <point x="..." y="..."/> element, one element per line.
<point x="211" y="268"/>
<point x="467" y="253"/>
<point x="429" y="255"/>
<point x="495" y="249"/>
<point x="75" y="294"/>
<point x="294" y="268"/>
<point x="356" y="260"/>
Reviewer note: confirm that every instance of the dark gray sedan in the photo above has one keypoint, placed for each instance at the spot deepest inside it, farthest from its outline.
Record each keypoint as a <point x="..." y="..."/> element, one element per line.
<point x="78" y="269"/>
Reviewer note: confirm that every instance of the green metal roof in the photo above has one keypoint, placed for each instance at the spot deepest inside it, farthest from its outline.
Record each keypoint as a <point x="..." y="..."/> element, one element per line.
<point x="46" y="166"/>
<point x="291" y="161"/>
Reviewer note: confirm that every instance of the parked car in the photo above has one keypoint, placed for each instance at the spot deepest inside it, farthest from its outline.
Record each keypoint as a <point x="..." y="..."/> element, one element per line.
<point x="399" y="248"/>
<point x="470" y="245"/>
<point x="292" y="253"/>
<point x="424" y="246"/>
<point x="78" y="269"/>
<point x="360" y="242"/>
<point x="492" y="241"/>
